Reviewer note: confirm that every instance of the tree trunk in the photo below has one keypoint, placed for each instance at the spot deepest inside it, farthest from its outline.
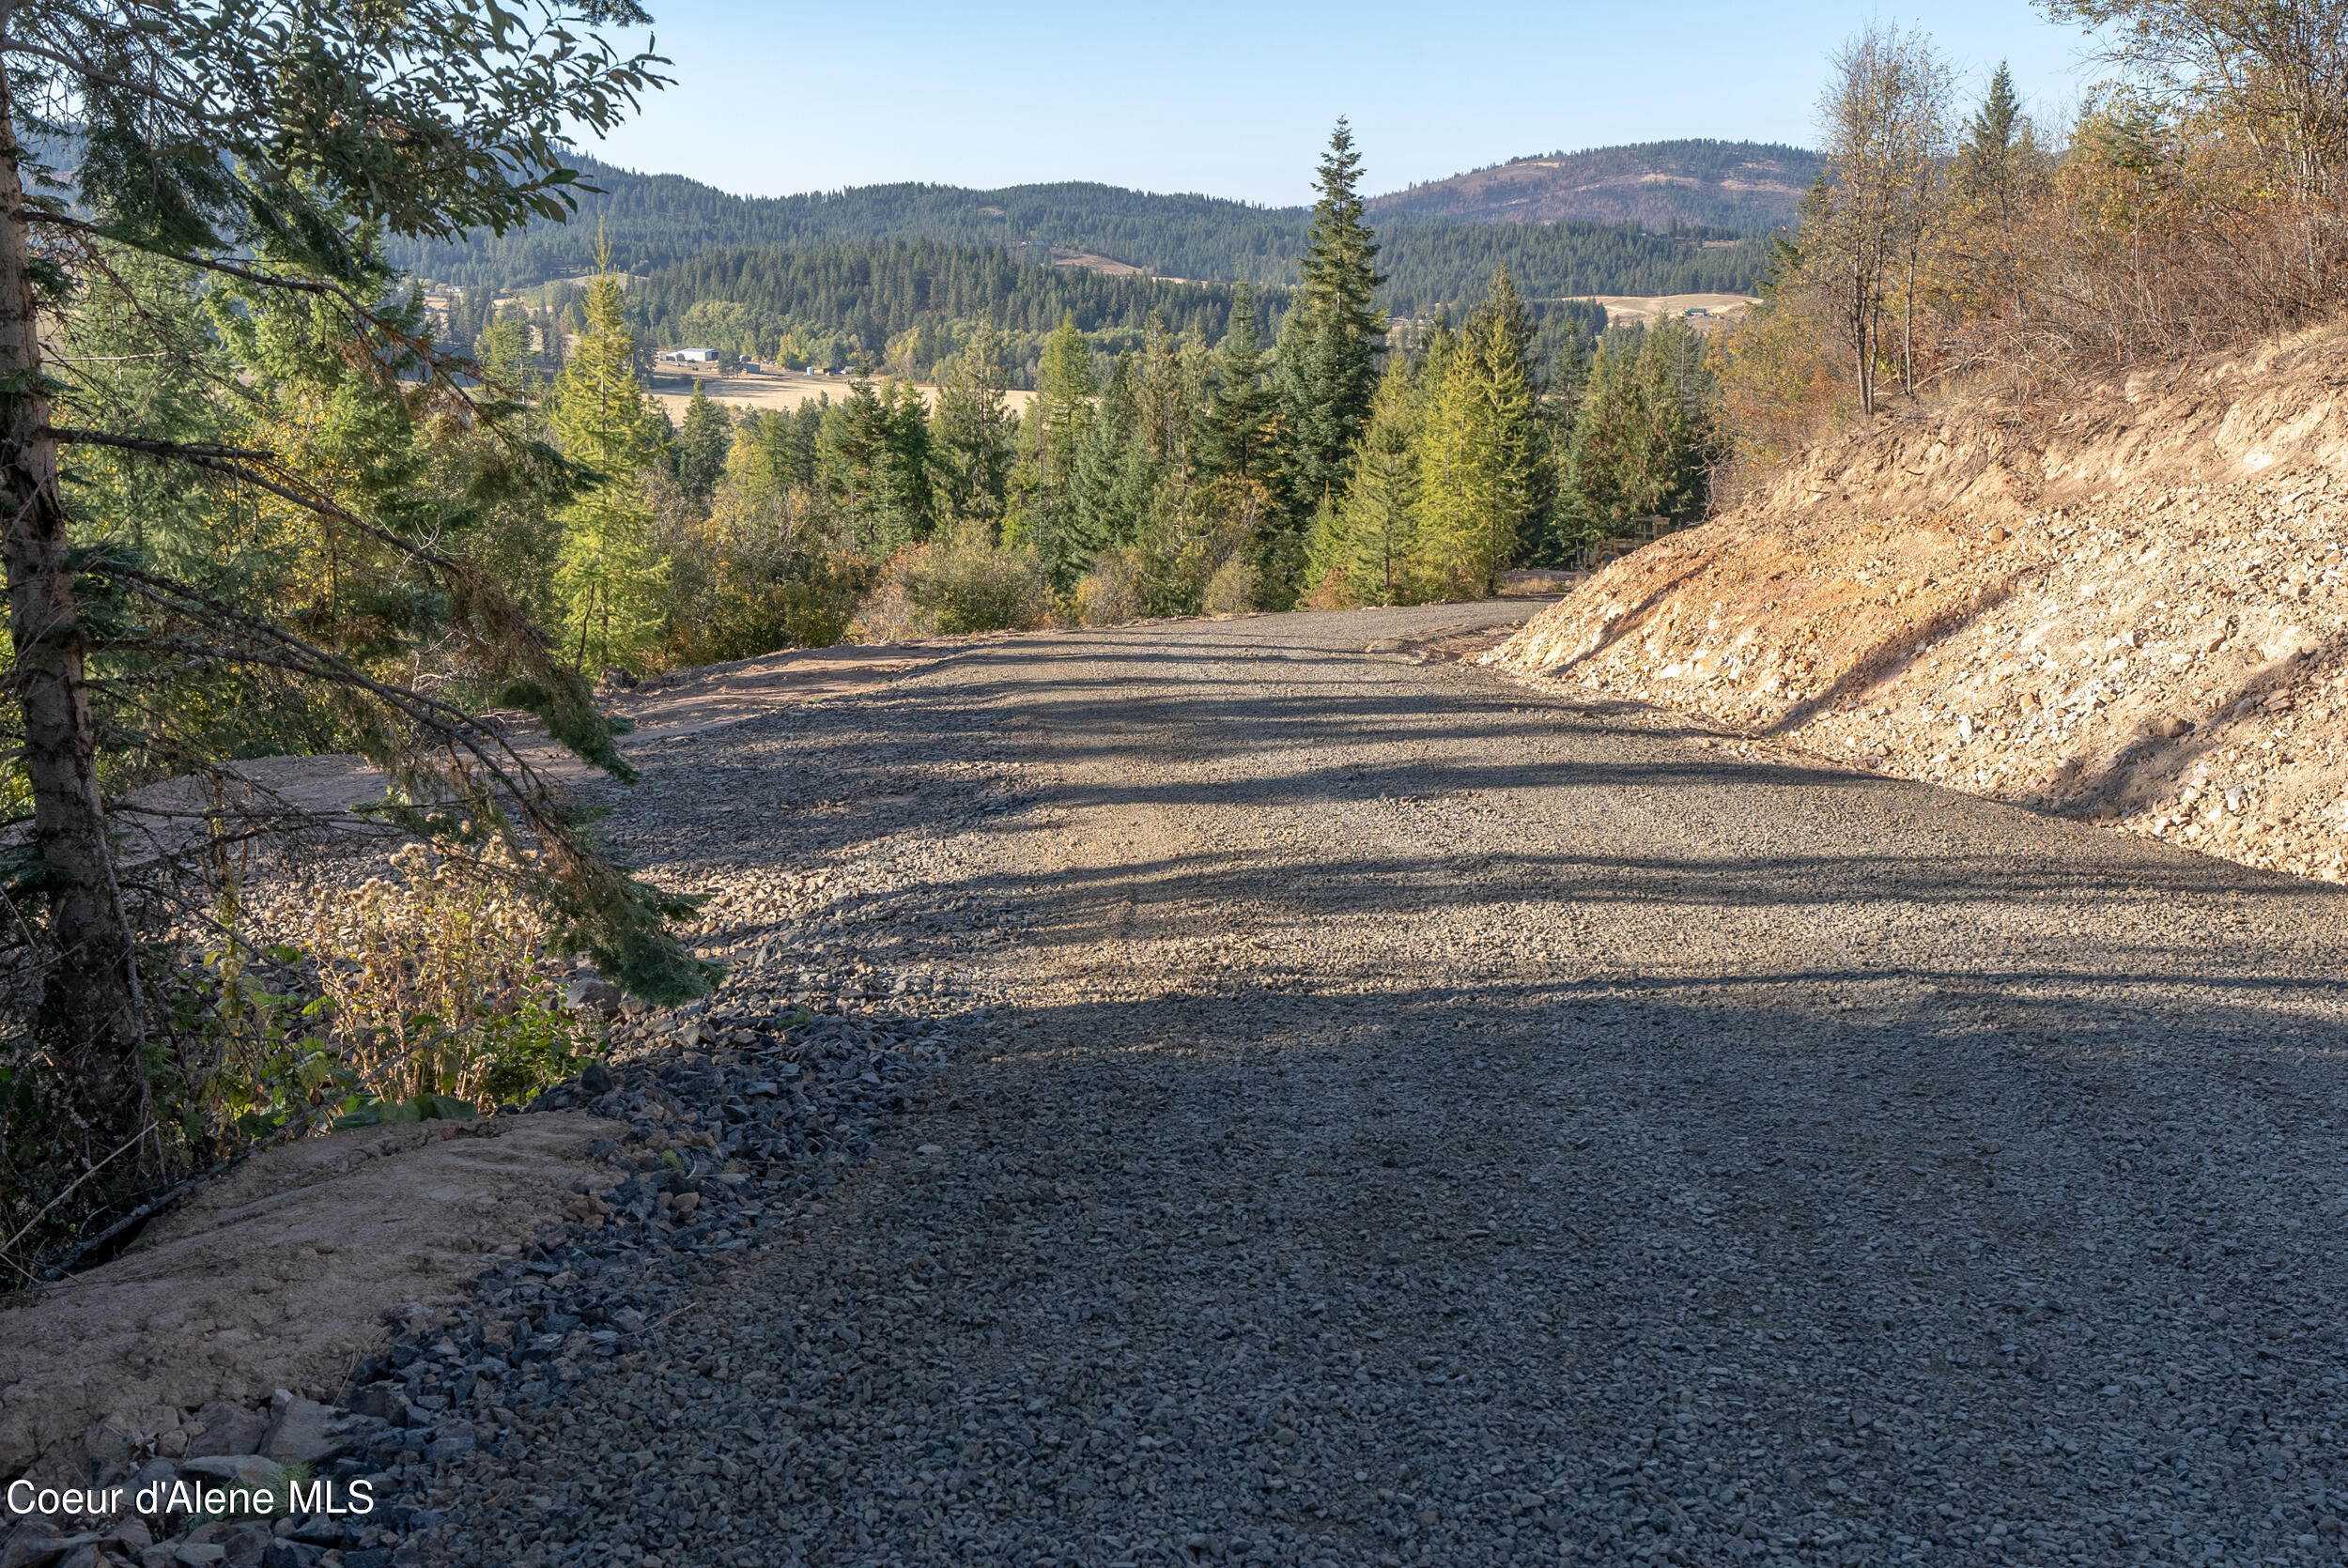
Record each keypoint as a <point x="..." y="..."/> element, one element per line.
<point x="92" y="1010"/>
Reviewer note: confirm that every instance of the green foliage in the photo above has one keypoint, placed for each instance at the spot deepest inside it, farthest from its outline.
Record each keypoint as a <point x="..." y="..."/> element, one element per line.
<point x="607" y="574"/>
<point x="960" y="583"/>
<point x="1479" y="452"/>
<point x="1240" y="433"/>
<point x="1370" y="539"/>
<point x="1330" y="345"/>
<point x="1640" y="443"/>
<point x="918" y="295"/>
<point x="1693" y="243"/>
<point x="703" y="438"/>
<point x="971" y="451"/>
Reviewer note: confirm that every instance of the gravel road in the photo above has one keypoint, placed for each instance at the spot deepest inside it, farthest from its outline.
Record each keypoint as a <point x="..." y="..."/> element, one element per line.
<point x="1395" y="1117"/>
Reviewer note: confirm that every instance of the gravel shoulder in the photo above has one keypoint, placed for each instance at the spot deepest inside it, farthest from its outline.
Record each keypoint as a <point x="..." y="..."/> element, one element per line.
<point x="1395" y="1116"/>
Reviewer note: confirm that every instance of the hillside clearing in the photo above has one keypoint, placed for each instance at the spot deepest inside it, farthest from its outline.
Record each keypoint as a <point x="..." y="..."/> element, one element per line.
<point x="783" y="392"/>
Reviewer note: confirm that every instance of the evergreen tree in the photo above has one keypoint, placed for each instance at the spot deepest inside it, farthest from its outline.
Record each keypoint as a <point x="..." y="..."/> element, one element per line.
<point x="1640" y="440"/>
<point x="703" y="440"/>
<point x="1377" y="520"/>
<point x="874" y="462"/>
<point x="1990" y="134"/>
<point x="1477" y="452"/>
<point x="1065" y="389"/>
<point x="1115" y="477"/>
<point x="974" y="431"/>
<point x="1239" y="431"/>
<point x="1330" y="343"/>
<point x="607" y="573"/>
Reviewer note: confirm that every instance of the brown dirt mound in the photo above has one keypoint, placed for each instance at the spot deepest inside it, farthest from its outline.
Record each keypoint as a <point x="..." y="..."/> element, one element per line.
<point x="276" y="1276"/>
<point x="2127" y="609"/>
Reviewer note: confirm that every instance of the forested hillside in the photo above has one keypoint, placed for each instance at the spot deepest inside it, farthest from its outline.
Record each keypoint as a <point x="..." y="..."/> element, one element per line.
<point x="653" y="222"/>
<point x="1741" y="185"/>
<point x="872" y="291"/>
<point x="1430" y="264"/>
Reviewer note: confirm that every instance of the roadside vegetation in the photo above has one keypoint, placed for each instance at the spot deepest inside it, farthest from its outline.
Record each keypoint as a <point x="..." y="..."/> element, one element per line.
<point x="2192" y="203"/>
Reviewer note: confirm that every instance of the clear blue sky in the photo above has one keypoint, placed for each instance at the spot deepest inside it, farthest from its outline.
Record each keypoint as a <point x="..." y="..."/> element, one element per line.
<point x="1236" y="99"/>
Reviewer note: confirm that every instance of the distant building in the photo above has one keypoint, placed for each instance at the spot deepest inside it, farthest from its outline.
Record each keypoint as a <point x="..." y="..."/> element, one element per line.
<point x="687" y="355"/>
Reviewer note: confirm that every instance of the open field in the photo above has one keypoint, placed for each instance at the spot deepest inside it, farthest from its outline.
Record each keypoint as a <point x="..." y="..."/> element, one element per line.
<point x="785" y="390"/>
<point x="1646" y="307"/>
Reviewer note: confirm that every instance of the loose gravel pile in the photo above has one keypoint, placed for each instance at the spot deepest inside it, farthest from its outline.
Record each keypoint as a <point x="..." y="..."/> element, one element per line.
<point x="1392" y="1119"/>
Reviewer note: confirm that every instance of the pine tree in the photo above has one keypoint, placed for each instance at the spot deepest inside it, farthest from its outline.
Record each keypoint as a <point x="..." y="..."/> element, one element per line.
<point x="1478" y="451"/>
<point x="1377" y="520"/>
<point x="1240" y="430"/>
<point x="1330" y="343"/>
<point x="1114" y="477"/>
<point x="607" y="573"/>
<point x="1640" y="440"/>
<point x="875" y="462"/>
<point x="703" y="440"/>
<point x="1065" y="389"/>
<point x="1989" y="135"/>
<point x="973" y="430"/>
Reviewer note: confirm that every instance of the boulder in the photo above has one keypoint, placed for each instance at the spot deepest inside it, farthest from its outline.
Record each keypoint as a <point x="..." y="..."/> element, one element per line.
<point x="300" y="1435"/>
<point x="228" y="1429"/>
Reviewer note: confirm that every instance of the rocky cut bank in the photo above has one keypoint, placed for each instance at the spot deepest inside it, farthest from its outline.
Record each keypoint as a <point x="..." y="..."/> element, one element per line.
<point x="2126" y="606"/>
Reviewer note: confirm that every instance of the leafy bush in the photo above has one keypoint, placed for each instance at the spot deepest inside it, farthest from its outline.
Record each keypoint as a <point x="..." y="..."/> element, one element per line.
<point x="1112" y="590"/>
<point x="960" y="583"/>
<point x="1232" y="590"/>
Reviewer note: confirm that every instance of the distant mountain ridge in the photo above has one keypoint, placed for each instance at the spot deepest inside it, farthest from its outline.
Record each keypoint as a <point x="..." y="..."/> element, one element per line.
<point x="655" y="221"/>
<point x="1440" y="242"/>
<point x="1748" y="186"/>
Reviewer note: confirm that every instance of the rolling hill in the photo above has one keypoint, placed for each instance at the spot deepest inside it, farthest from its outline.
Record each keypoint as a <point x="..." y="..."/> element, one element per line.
<point x="1439" y="242"/>
<point x="1746" y="186"/>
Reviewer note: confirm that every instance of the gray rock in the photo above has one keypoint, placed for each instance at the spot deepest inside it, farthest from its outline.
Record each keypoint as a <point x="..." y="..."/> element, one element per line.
<point x="234" y="1469"/>
<point x="35" y="1543"/>
<point x="246" y="1545"/>
<point x="597" y="996"/>
<point x="302" y="1433"/>
<point x="441" y="1448"/>
<point x="228" y="1429"/>
<point x="155" y="1472"/>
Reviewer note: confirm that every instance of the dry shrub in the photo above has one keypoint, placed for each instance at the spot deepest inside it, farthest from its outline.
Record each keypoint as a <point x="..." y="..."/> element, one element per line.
<point x="1334" y="590"/>
<point x="439" y="979"/>
<point x="1232" y="590"/>
<point x="889" y="613"/>
<point x="1110" y="592"/>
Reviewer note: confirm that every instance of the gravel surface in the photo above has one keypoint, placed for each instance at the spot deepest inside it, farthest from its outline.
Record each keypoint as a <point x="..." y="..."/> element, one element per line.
<point x="1397" y="1117"/>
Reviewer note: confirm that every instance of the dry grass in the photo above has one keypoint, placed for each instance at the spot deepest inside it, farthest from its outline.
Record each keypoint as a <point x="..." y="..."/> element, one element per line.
<point x="784" y="391"/>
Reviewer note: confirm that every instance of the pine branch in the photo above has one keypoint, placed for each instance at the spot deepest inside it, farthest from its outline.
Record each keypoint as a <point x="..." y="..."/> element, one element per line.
<point x="69" y="436"/>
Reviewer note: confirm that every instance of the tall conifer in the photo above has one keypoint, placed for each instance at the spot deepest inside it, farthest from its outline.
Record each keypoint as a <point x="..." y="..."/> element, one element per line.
<point x="1330" y="343"/>
<point x="608" y="575"/>
<point x="1377" y="520"/>
<point x="1241" y="425"/>
<point x="704" y="438"/>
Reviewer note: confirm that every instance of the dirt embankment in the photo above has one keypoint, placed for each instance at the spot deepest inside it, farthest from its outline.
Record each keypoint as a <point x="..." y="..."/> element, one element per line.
<point x="2128" y="610"/>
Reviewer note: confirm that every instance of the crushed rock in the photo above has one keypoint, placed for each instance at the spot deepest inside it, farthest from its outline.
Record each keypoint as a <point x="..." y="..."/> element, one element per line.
<point x="2132" y="614"/>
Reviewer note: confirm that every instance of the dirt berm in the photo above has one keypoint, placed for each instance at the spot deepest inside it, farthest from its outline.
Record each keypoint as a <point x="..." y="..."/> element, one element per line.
<point x="2126" y="608"/>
